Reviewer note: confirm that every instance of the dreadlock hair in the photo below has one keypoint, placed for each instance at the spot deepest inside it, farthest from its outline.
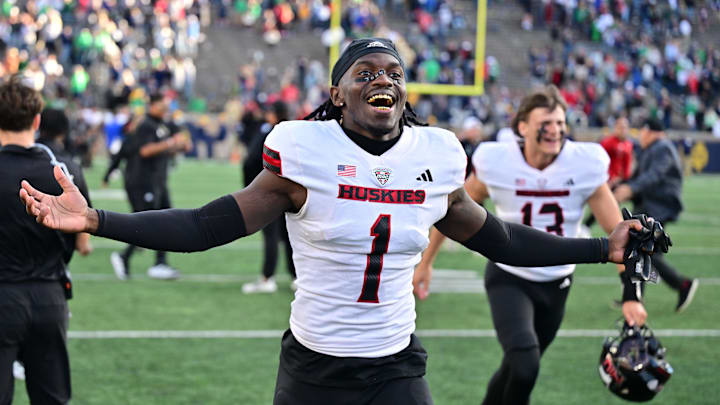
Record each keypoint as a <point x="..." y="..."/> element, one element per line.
<point x="328" y="111"/>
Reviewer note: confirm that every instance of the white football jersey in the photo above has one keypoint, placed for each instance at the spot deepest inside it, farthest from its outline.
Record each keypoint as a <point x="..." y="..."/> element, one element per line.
<point x="550" y="200"/>
<point x="361" y="231"/>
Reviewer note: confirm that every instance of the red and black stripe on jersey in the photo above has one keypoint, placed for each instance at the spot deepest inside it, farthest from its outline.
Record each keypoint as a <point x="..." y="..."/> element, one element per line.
<point x="271" y="160"/>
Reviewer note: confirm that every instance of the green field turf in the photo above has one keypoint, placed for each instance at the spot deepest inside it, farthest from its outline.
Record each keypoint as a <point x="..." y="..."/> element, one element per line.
<point x="242" y="370"/>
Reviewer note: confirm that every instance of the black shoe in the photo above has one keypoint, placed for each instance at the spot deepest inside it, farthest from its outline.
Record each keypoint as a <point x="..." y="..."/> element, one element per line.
<point x="686" y="294"/>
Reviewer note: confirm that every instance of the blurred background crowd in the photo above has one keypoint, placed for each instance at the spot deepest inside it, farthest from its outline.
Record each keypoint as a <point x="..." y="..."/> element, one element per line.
<point x="100" y="59"/>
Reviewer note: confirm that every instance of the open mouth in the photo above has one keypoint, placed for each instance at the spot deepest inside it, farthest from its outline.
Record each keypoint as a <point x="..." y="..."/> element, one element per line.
<point x="381" y="102"/>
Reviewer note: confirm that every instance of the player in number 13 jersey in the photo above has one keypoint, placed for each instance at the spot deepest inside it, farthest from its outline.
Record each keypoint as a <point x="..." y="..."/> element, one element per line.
<point x="544" y="182"/>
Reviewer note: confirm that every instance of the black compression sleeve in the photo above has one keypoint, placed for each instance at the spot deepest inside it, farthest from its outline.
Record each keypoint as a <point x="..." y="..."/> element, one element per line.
<point x="176" y="230"/>
<point x="520" y="245"/>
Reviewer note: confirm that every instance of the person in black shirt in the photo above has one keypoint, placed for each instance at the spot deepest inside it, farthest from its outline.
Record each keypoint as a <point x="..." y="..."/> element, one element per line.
<point x="656" y="188"/>
<point x="54" y="131"/>
<point x="276" y="231"/>
<point x="34" y="284"/>
<point x="147" y="151"/>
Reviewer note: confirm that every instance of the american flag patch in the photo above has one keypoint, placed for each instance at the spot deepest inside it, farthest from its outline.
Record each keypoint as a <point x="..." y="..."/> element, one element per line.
<point x="347" y="170"/>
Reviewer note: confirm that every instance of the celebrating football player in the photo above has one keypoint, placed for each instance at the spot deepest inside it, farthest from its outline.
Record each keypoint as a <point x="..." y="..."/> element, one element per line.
<point x="542" y="182"/>
<point x="360" y="185"/>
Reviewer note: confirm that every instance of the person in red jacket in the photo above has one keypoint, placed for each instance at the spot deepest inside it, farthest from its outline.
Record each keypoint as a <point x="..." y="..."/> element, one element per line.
<point x="620" y="149"/>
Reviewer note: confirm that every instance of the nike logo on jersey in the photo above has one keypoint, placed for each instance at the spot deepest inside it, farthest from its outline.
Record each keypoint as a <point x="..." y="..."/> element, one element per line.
<point x="565" y="283"/>
<point x="426" y="176"/>
<point x="357" y="193"/>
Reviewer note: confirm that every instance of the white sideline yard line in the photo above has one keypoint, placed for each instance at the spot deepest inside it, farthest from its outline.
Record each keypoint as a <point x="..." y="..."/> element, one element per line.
<point x="465" y="278"/>
<point x="425" y="333"/>
<point x="701" y="219"/>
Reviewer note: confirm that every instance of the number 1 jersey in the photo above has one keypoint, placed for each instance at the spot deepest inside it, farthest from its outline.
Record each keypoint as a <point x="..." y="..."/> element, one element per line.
<point x="550" y="200"/>
<point x="361" y="231"/>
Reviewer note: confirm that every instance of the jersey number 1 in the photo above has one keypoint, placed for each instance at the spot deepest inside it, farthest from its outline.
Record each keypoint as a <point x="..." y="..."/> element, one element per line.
<point x="547" y="208"/>
<point x="371" y="283"/>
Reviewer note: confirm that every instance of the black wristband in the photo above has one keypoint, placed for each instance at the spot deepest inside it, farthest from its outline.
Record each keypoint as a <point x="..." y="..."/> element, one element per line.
<point x="604" y="250"/>
<point x="631" y="291"/>
<point x="101" y="221"/>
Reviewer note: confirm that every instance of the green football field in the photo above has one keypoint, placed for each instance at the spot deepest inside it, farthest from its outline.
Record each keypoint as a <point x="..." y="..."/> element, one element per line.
<point x="199" y="340"/>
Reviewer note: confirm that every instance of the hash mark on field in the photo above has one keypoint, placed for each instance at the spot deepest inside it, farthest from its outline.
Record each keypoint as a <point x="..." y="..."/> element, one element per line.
<point x="425" y="333"/>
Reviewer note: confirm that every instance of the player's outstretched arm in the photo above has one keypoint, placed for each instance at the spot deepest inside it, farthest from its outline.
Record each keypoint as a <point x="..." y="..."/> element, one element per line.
<point x="520" y="245"/>
<point x="181" y="230"/>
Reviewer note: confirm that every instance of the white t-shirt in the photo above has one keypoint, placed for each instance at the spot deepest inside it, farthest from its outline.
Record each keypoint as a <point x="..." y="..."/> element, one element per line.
<point x="550" y="200"/>
<point x="361" y="230"/>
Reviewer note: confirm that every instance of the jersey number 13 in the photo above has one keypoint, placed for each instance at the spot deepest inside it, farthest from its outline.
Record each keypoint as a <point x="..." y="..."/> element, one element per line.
<point x="547" y="208"/>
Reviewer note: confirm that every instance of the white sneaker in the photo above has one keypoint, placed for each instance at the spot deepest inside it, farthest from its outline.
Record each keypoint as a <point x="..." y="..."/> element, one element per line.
<point x="260" y="286"/>
<point x="119" y="265"/>
<point x="18" y="370"/>
<point x="163" y="272"/>
<point x="584" y="232"/>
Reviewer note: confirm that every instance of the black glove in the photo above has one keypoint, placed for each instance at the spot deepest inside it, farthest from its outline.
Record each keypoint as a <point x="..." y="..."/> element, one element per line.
<point x="642" y="244"/>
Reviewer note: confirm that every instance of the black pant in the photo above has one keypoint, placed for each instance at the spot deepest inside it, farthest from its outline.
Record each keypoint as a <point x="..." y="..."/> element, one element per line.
<point x="33" y="329"/>
<point x="306" y="377"/>
<point x="527" y="316"/>
<point x="273" y="234"/>
<point x="398" y="391"/>
<point x="146" y="199"/>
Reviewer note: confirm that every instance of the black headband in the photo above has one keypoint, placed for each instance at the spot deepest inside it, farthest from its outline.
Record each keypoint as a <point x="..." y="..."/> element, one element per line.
<point x="359" y="48"/>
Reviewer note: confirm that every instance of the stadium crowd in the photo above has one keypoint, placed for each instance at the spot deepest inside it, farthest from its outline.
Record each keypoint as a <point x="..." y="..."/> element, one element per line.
<point x="641" y="59"/>
<point x="102" y="58"/>
<point x="94" y="53"/>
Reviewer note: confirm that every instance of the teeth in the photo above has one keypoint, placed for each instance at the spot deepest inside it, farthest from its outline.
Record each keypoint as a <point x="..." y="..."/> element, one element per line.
<point x="380" y="97"/>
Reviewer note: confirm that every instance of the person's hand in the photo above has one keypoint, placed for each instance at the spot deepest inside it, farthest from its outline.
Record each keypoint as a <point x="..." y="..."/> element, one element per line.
<point x="187" y="143"/>
<point x="618" y="239"/>
<point x="634" y="313"/>
<point x="622" y="193"/>
<point x="83" y="245"/>
<point x="421" y="280"/>
<point x="67" y="212"/>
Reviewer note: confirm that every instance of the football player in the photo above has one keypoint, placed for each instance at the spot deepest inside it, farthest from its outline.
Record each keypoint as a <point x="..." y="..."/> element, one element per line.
<point x="544" y="182"/>
<point x="360" y="186"/>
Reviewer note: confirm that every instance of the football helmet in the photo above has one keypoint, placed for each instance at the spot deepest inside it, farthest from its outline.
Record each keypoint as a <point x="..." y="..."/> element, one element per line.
<point x="633" y="366"/>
